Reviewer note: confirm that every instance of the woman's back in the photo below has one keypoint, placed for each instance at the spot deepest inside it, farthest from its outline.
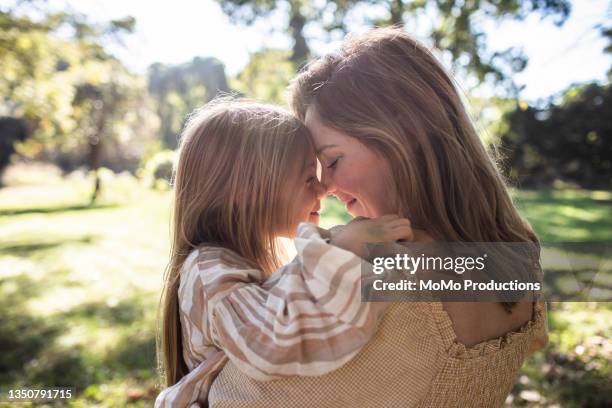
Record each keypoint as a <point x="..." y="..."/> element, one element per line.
<point x="414" y="360"/>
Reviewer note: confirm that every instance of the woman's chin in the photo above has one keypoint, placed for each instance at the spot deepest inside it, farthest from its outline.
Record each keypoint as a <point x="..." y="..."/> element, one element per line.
<point x="357" y="213"/>
<point x="353" y="207"/>
<point x="356" y="210"/>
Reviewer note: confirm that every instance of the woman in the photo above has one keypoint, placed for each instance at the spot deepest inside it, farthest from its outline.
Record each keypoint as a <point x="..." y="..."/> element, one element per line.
<point x="226" y="295"/>
<point x="393" y="137"/>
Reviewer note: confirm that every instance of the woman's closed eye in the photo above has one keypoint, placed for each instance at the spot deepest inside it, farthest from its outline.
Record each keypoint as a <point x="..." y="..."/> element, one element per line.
<point x="333" y="163"/>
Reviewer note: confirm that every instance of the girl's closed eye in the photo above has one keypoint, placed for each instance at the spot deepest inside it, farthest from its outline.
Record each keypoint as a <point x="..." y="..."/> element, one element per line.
<point x="311" y="180"/>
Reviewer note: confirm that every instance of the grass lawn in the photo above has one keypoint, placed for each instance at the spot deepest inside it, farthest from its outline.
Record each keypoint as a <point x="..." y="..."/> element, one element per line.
<point x="79" y="288"/>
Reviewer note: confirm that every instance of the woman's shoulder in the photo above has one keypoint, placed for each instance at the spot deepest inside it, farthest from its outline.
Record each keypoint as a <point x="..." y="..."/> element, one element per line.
<point x="470" y="324"/>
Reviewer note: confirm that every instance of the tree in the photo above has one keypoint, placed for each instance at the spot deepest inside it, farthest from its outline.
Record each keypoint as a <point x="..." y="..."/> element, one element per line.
<point x="606" y="32"/>
<point x="266" y="76"/>
<point x="179" y="89"/>
<point x="300" y="13"/>
<point x="107" y="97"/>
<point x="571" y="141"/>
<point x="68" y="86"/>
<point x="454" y="27"/>
<point x="11" y="130"/>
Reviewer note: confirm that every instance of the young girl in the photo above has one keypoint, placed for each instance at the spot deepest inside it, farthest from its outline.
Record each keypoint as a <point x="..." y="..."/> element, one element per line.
<point x="246" y="176"/>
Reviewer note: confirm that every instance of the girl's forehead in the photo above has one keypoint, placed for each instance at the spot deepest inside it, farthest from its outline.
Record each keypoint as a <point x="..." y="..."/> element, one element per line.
<point x="311" y="163"/>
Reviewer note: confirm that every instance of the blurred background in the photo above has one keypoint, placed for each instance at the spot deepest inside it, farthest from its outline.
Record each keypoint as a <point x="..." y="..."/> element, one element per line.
<point x="93" y="96"/>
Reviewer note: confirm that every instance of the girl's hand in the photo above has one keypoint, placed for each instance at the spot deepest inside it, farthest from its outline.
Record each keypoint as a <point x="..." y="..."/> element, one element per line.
<point x="388" y="228"/>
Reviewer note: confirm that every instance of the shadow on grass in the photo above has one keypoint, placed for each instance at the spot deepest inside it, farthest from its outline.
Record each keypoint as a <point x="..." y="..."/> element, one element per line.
<point x="124" y="313"/>
<point x="32" y="354"/>
<point x="23" y="337"/>
<point x="53" y="210"/>
<point x="134" y="356"/>
<point x="567" y="215"/>
<point x="27" y="250"/>
<point x="577" y="285"/>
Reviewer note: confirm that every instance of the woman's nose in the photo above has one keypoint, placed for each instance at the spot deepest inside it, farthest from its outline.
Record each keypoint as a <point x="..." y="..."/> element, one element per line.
<point x="327" y="181"/>
<point x="321" y="189"/>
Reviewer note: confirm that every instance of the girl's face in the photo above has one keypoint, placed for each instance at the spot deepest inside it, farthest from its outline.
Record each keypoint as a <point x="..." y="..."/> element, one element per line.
<point x="303" y="197"/>
<point x="351" y="171"/>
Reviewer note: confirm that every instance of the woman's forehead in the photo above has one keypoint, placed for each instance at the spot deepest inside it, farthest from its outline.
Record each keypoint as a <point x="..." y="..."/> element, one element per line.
<point x="324" y="136"/>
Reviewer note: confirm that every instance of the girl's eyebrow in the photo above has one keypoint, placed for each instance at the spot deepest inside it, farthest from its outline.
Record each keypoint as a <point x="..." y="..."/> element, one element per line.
<point x="309" y="165"/>
<point x="327" y="146"/>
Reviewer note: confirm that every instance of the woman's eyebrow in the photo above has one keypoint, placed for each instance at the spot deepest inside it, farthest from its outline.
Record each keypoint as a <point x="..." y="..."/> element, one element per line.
<point x="327" y="146"/>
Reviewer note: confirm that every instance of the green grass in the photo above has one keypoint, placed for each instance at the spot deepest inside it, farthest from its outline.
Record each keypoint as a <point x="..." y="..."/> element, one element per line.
<point x="568" y="215"/>
<point x="79" y="288"/>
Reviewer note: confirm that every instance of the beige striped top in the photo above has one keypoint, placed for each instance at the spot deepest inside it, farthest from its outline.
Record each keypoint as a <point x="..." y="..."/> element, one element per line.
<point x="307" y="319"/>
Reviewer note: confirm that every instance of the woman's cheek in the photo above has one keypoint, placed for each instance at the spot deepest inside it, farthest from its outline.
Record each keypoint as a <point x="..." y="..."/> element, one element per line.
<point x="343" y="180"/>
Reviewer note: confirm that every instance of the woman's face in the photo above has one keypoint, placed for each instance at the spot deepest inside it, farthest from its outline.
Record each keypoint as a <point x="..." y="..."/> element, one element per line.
<point x="351" y="171"/>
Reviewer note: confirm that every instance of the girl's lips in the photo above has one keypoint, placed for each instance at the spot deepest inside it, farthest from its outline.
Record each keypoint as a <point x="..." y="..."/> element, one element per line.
<point x="314" y="217"/>
<point x="315" y="211"/>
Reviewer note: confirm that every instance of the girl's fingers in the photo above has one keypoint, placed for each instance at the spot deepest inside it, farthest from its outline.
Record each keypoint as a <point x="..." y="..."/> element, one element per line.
<point x="401" y="222"/>
<point x="388" y="217"/>
<point x="401" y="232"/>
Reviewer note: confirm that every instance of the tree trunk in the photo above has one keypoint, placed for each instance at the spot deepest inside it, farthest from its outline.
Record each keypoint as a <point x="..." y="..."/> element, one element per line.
<point x="95" y="151"/>
<point x="397" y="12"/>
<point x="297" y="22"/>
<point x="95" y="154"/>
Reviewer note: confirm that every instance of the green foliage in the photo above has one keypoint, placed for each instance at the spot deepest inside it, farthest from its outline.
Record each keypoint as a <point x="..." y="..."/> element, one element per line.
<point x="157" y="172"/>
<point x="266" y="76"/>
<point x="300" y="13"/>
<point x="179" y="89"/>
<point x="574" y="370"/>
<point x="457" y="29"/>
<point x="571" y="141"/>
<point x="82" y="104"/>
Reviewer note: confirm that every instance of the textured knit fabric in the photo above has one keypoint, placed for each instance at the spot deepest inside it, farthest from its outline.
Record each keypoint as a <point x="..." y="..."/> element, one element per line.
<point x="414" y="360"/>
<point x="305" y="320"/>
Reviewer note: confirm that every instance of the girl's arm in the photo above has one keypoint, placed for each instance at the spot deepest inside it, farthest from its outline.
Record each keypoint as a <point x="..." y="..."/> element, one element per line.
<point x="307" y="319"/>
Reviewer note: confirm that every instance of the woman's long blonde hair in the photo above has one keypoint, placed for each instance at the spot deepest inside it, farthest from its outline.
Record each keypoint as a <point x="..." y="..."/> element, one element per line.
<point x="236" y="162"/>
<point x="389" y="92"/>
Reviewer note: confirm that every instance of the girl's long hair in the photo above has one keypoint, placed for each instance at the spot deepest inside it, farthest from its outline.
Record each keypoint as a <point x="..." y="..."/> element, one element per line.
<point x="388" y="91"/>
<point x="236" y="162"/>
